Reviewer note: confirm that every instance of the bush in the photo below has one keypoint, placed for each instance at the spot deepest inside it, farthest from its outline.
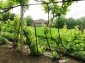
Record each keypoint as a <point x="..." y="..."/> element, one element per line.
<point x="54" y="55"/>
<point x="31" y="42"/>
<point x="35" y="52"/>
<point x="3" y="40"/>
<point x="9" y="36"/>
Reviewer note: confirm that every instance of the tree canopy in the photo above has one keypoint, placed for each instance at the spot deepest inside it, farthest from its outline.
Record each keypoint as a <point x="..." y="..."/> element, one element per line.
<point x="9" y="4"/>
<point x="55" y="7"/>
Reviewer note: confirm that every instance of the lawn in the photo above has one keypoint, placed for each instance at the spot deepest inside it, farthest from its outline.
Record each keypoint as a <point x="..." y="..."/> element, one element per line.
<point x="40" y="31"/>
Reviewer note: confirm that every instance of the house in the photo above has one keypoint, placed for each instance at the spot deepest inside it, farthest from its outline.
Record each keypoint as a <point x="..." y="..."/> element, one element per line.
<point x="39" y="22"/>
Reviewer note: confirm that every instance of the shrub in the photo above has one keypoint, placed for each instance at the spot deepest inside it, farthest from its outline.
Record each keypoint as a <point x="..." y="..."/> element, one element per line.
<point x="31" y="42"/>
<point x="9" y="36"/>
<point x="3" y="40"/>
<point x="54" y="55"/>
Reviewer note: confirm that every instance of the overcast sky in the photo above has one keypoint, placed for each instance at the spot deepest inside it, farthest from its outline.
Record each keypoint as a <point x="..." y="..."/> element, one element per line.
<point x="77" y="10"/>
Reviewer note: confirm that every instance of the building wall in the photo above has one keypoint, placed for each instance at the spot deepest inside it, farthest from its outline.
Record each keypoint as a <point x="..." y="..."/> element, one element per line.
<point x="39" y="22"/>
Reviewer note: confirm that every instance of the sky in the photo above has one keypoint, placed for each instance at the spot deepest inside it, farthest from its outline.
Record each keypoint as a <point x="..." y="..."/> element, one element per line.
<point x="77" y="10"/>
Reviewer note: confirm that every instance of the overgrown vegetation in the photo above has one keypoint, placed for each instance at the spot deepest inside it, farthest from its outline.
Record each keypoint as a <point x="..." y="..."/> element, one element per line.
<point x="67" y="35"/>
<point x="72" y="39"/>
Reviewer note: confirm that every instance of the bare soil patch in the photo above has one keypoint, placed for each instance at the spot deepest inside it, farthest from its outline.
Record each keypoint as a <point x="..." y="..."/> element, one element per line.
<point x="8" y="56"/>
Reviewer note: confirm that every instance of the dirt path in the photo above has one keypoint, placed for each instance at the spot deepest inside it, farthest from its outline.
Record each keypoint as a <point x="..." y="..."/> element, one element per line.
<point x="69" y="60"/>
<point x="7" y="56"/>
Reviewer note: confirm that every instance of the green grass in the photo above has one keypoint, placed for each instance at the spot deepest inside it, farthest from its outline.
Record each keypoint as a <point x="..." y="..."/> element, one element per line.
<point x="40" y="31"/>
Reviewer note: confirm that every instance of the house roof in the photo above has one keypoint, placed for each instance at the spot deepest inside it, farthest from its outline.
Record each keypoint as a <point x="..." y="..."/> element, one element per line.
<point x="39" y="21"/>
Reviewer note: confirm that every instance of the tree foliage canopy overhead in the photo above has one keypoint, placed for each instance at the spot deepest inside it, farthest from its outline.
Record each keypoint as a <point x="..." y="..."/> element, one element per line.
<point x="55" y="7"/>
<point x="6" y="5"/>
<point x="9" y="4"/>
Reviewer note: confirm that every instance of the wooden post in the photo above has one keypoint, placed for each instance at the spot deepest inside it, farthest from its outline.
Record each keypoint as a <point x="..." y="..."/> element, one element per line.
<point x="21" y="34"/>
<point x="14" y="43"/>
<point x="36" y="37"/>
<point x="48" y="14"/>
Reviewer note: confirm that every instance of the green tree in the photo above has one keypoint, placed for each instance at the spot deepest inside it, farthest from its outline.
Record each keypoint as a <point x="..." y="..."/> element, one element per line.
<point x="28" y="20"/>
<point x="81" y="23"/>
<point x="55" y="8"/>
<point x="61" y="23"/>
<point x="71" y="23"/>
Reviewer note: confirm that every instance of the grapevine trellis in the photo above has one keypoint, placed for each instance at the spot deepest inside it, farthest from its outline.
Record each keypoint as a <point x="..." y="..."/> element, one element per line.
<point x="54" y="16"/>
